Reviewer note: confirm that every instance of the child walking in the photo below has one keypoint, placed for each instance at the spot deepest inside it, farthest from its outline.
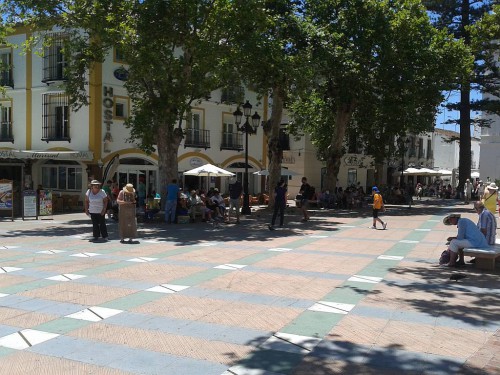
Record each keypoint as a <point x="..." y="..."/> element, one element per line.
<point x="378" y="204"/>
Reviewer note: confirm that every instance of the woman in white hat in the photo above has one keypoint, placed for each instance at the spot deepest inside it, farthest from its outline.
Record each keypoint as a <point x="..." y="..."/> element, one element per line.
<point x="126" y="217"/>
<point x="96" y="201"/>
<point x="490" y="198"/>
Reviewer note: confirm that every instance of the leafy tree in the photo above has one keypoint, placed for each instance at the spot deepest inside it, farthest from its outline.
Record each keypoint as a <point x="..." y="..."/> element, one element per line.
<point x="463" y="18"/>
<point x="269" y="49"/>
<point x="377" y="67"/>
<point x="176" y="53"/>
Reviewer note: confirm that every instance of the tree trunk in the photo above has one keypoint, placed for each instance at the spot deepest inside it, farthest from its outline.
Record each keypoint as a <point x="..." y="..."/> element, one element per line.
<point x="334" y="157"/>
<point x="274" y="149"/>
<point x="169" y="139"/>
<point x="464" y="168"/>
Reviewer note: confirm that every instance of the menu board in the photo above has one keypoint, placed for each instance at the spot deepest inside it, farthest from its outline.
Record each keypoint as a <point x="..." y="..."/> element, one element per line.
<point x="45" y="199"/>
<point x="6" y="193"/>
<point x="29" y="204"/>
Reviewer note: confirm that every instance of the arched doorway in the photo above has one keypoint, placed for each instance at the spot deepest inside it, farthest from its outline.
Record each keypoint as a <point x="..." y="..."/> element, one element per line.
<point x="132" y="170"/>
<point x="239" y="169"/>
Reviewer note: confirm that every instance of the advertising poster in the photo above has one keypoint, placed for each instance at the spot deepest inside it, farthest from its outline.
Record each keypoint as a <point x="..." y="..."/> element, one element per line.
<point x="45" y="198"/>
<point x="5" y="195"/>
<point x="29" y="204"/>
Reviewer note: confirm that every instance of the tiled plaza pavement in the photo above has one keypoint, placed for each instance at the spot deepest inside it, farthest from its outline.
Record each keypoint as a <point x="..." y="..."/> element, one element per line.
<point x="330" y="296"/>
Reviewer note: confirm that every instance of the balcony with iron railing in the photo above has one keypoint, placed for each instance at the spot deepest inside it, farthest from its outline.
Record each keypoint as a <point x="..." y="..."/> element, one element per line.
<point x="232" y="141"/>
<point x="6" y="132"/>
<point x="196" y="138"/>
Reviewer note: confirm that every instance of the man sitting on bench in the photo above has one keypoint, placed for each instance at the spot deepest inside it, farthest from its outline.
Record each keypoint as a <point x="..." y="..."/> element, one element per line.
<point x="487" y="223"/>
<point x="468" y="235"/>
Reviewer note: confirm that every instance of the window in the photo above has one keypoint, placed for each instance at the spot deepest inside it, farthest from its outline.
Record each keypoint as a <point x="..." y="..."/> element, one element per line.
<point x="232" y="95"/>
<point x="6" y="68"/>
<point x="429" y="149"/>
<point x="118" y="56"/>
<point x="195" y="135"/>
<point x="352" y="176"/>
<point x="58" y="176"/>
<point x="193" y="125"/>
<point x="231" y="137"/>
<point x="284" y="139"/>
<point x="121" y="107"/>
<point x="55" y="117"/>
<point x="54" y="61"/>
<point x="6" y="122"/>
<point x="420" y="145"/>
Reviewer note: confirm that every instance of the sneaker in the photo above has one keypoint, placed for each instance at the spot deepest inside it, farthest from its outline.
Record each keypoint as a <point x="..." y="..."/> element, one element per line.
<point x="384" y="225"/>
<point x="373" y="227"/>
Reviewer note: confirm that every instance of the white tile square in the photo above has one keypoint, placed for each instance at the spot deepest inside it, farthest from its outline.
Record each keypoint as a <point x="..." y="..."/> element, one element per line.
<point x="332" y="307"/>
<point x="3" y="295"/>
<point x="141" y="259"/>
<point x="167" y="288"/>
<point x="280" y="249"/>
<point x="365" y="279"/>
<point x="25" y="339"/>
<point x="94" y="314"/>
<point x="390" y="257"/>
<point x="51" y="252"/>
<point x="9" y="269"/>
<point x="229" y="266"/>
<point x="85" y="255"/>
<point x="287" y="342"/>
<point x="65" y="277"/>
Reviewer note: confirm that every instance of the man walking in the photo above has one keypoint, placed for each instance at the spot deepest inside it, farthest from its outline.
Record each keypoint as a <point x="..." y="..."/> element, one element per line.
<point x="171" y="205"/>
<point x="279" y="203"/>
<point x="378" y="205"/>
<point x="305" y="192"/>
<point x="235" y="190"/>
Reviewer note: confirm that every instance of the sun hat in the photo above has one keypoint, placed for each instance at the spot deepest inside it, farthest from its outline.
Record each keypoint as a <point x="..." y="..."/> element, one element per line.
<point x="129" y="188"/>
<point x="447" y="218"/>
<point x="493" y="186"/>
<point x="95" y="182"/>
<point x="193" y="191"/>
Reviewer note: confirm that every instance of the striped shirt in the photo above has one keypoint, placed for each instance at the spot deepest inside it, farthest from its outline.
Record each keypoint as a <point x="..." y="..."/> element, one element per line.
<point x="488" y="221"/>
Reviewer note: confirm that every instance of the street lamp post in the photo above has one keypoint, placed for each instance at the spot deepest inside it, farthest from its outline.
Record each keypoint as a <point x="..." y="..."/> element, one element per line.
<point x="404" y="146"/>
<point x="248" y="129"/>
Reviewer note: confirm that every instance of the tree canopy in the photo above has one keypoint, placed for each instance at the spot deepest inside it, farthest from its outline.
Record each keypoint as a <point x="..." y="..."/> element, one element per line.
<point x="378" y="67"/>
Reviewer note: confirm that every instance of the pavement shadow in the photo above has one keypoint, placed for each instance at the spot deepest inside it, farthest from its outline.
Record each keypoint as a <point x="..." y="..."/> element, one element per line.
<point x="333" y="356"/>
<point x="473" y="300"/>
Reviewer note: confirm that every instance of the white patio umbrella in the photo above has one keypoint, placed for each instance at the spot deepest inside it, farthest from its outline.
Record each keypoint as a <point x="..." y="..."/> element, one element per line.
<point x="284" y="172"/>
<point x="445" y="172"/>
<point x="208" y="170"/>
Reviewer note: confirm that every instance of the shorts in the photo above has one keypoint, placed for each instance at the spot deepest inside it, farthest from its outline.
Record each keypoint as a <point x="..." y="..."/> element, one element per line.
<point x="304" y="203"/>
<point x="234" y="203"/>
<point x="375" y="212"/>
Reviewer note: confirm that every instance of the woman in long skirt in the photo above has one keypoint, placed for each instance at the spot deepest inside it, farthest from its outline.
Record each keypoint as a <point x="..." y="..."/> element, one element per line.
<point x="126" y="217"/>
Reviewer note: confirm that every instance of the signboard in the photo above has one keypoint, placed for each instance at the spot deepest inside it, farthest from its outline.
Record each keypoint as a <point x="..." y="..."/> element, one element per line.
<point x="6" y="196"/>
<point x="29" y="204"/>
<point x="54" y="155"/>
<point x="45" y="199"/>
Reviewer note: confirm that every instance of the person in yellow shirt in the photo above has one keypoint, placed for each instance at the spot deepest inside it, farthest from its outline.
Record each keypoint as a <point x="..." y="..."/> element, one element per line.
<point x="490" y="197"/>
<point x="378" y="205"/>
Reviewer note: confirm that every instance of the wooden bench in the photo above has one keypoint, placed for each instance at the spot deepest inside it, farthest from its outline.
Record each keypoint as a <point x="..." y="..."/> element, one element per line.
<point x="485" y="257"/>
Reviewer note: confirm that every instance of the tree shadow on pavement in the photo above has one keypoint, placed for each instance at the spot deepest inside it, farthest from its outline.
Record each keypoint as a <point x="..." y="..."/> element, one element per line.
<point x="331" y="356"/>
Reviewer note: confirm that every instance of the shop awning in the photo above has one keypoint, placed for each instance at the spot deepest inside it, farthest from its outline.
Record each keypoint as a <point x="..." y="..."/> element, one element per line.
<point x="54" y="155"/>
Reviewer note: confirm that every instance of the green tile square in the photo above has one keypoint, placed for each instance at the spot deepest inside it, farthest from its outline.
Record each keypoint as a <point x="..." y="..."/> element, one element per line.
<point x="62" y="325"/>
<point x="271" y="360"/>
<point x="313" y="324"/>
